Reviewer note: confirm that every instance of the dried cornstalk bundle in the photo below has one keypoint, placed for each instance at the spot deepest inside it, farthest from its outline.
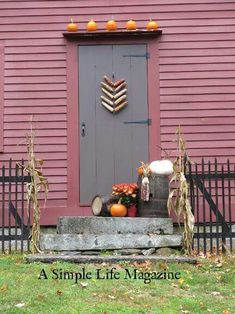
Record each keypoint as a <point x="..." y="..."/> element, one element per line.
<point x="178" y="197"/>
<point x="38" y="182"/>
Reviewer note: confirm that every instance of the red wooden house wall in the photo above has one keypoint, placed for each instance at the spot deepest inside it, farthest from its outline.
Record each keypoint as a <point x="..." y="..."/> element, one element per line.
<point x="197" y="76"/>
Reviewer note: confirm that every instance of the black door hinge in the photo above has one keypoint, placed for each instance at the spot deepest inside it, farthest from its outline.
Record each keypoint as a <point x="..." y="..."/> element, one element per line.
<point x="147" y="122"/>
<point x="145" y="55"/>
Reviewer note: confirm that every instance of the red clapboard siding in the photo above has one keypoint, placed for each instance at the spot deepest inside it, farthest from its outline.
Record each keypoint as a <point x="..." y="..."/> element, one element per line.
<point x="197" y="106"/>
<point x="197" y="74"/>
<point x="198" y="82"/>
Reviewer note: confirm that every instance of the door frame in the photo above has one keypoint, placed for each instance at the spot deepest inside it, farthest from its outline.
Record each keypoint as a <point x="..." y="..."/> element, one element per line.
<point x="73" y="127"/>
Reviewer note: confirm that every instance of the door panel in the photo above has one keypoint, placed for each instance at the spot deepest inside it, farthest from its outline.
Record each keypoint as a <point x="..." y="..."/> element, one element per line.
<point x="110" y="151"/>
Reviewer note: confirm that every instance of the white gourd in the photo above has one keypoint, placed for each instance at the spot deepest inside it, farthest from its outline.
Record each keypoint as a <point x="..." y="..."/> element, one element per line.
<point x="161" y="167"/>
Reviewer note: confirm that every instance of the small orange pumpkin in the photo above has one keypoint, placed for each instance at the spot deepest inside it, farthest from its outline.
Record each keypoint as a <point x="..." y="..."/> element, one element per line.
<point x="111" y="25"/>
<point x="131" y="25"/>
<point x="72" y="27"/>
<point x="91" y="26"/>
<point x="118" y="210"/>
<point x="140" y="171"/>
<point x="152" y="25"/>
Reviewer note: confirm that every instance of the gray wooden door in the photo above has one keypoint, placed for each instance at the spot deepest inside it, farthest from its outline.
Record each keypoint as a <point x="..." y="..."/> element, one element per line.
<point x="110" y="150"/>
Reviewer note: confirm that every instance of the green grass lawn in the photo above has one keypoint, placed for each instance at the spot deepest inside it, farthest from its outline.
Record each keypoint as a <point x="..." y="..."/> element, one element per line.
<point x="208" y="287"/>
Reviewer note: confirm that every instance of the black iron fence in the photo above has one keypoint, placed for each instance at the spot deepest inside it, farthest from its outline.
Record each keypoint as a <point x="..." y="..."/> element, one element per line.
<point x="14" y="216"/>
<point x="212" y="196"/>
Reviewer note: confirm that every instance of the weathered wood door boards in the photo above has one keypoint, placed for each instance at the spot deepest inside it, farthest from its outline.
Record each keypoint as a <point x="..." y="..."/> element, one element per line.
<point x="110" y="148"/>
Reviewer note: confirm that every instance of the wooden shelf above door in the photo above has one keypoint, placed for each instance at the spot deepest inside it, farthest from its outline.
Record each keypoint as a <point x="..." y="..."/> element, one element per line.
<point x="115" y="34"/>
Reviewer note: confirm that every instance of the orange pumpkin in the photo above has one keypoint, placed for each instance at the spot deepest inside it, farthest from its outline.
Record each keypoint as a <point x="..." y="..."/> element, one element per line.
<point x="72" y="27"/>
<point x="140" y="171"/>
<point x="131" y="25"/>
<point x="152" y="25"/>
<point x="111" y="25"/>
<point x="91" y="26"/>
<point x="118" y="210"/>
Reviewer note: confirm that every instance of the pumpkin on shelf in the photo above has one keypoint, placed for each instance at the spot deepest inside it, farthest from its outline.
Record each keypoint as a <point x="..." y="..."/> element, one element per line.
<point x="131" y="25"/>
<point x="111" y="25"/>
<point x="91" y="26"/>
<point x="118" y="210"/>
<point x="72" y="27"/>
<point x="152" y="25"/>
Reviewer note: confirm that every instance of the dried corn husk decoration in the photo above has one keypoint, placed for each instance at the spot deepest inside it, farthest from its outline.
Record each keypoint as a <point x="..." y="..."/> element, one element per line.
<point x="114" y="96"/>
<point x="38" y="182"/>
<point x="178" y="196"/>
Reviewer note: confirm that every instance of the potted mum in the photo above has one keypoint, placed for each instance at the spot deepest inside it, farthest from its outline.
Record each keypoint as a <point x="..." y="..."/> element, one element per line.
<point x="127" y="195"/>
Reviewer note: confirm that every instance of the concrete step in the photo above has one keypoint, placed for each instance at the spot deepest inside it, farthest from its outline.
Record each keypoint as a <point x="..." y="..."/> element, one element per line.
<point x="114" y="225"/>
<point x="82" y="242"/>
<point x="86" y="259"/>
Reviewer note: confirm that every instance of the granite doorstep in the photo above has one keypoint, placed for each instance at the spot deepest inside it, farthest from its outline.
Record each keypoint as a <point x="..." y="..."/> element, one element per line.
<point x="114" y="225"/>
<point x="73" y="242"/>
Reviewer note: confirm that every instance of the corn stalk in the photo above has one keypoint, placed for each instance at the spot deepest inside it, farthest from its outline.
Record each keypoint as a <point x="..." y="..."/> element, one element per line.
<point x="37" y="183"/>
<point x="178" y="200"/>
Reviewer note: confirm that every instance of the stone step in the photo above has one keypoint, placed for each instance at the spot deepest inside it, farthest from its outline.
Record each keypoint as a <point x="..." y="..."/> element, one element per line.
<point x="86" y="259"/>
<point x="114" y="225"/>
<point x="82" y="242"/>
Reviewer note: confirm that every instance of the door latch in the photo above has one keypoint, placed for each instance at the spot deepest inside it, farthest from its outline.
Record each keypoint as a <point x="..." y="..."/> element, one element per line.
<point x="83" y="129"/>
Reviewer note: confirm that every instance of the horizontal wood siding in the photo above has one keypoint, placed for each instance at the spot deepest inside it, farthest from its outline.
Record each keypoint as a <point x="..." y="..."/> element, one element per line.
<point x="197" y="71"/>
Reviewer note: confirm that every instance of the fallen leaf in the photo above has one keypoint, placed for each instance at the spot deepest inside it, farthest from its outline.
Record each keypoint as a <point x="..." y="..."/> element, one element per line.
<point x="215" y="293"/>
<point x="181" y="281"/>
<point x="226" y="311"/>
<point x="83" y="284"/>
<point x="201" y="304"/>
<point x="59" y="292"/>
<point x="219" y="265"/>
<point x="112" y="297"/>
<point x="19" y="305"/>
<point x="198" y="265"/>
<point x="163" y="266"/>
<point x="4" y="287"/>
<point x="183" y="311"/>
<point x="118" y="267"/>
<point x="40" y="297"/>
<point x="202" y="255"/>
